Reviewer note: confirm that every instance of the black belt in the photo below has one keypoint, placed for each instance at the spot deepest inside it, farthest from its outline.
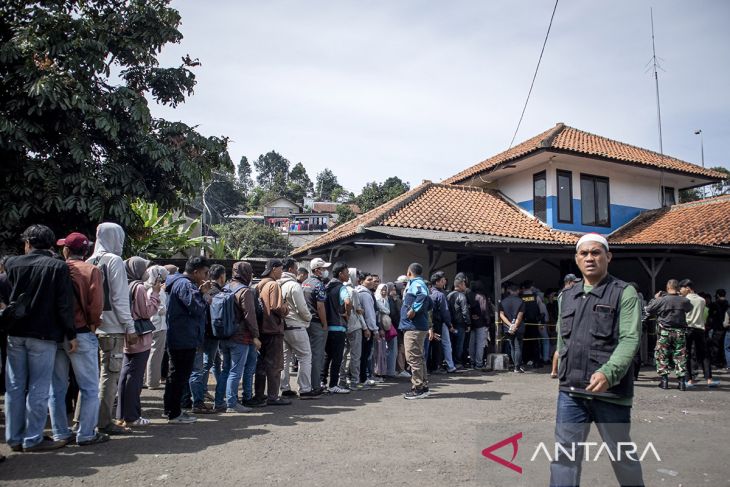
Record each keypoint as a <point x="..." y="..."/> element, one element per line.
<point x="83" y="329"/>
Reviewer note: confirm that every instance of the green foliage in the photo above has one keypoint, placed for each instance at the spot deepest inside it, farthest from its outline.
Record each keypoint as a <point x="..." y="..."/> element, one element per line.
<point x="326" y="184"/>
<point x="246" y="238"/>
<point x="374" y="194"/>
<point x="717" y="189"/>
<point x="224" y="196"/>
<point x="344" y="214"/>
<point x="79" y="145"/>
<point x="161" y="235"/>
<point x="244" y="175"/>
<point x="299" y="184"/>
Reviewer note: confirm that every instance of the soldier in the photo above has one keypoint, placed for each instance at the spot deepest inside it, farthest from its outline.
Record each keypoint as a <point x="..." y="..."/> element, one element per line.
<point x="671" y="310"/>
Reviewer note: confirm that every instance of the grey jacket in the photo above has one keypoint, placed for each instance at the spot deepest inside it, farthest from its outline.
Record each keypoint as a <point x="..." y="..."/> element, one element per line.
<point x="291" y="291"/>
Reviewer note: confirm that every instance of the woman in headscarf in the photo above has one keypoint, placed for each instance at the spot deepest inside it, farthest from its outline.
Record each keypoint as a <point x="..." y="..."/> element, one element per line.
<point x="387" y="361"/>
<point x="156" y="275"/>
<point x="144" y="307"/>
<point x="248" y="333"/>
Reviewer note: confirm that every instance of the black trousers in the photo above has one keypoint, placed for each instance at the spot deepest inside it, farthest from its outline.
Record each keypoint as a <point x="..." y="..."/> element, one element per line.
<point x="697" y="343"/>
<point x="367" y="348"/>
<point x="181" y="366"/>
<point x="333" y="353"/>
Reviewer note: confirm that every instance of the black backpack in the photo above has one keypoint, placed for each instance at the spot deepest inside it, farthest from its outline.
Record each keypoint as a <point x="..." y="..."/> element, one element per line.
<point x="258" y="304"/>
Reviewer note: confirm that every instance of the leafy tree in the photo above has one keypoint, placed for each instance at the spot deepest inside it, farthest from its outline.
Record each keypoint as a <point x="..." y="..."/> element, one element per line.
<point x="717" y="189"/>
<point x="344" y="214"/>
<point x="374" y="194"/>
<point x="244" y="175"/>
<point x="160" y="235"/>
<point x="299" y="184"/>
<point x="79" y="145"/>
<point x="326" y="184"/>
<point x="272" y="172"/>
<point x="250" y="239"/>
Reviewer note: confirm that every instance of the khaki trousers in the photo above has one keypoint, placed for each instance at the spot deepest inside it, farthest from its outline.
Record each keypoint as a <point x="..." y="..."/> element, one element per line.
<point x="414" y="343"/>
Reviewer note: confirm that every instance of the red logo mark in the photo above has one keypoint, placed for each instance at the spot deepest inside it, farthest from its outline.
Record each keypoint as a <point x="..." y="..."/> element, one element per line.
<point x="487" y="452"/>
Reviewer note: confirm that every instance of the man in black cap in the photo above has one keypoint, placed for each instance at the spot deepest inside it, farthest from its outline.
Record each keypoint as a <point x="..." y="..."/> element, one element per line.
<point x="271" y="329"/>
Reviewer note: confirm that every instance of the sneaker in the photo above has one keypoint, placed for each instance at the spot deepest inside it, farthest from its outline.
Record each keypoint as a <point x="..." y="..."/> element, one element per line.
<point x="46" y="444"/>
<point x="378" y="379"/>
<point x="16" y="448"/>
<point x="309" y="394"/>
<point x="202" y="408"/>
<point x="289" y="394"/>
<point x="279" y="401"/>
<point x="139" y="422"/>
<point x="404" y="375"/>
<point x="219" y="409"/>
<point x="370" y="382"/>
<point x="416" y="393"/>
<point x="239" y="408"/>
<point x="255" y="403"/>
<point x="451" y="370"/>
<point x="520" y="370"/>
<point x="98" y="438"/>
<point x="358" y="386"/>
<point x="115" y="429"/>
<point x="338" y="390"/>
<point x="209" y="397"/>
<point x="184" y="418"/>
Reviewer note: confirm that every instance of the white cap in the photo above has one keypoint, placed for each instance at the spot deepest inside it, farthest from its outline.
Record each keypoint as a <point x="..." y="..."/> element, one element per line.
<point x="318" y="263"/>
<point x="592" y="237"/>
<point x="402" y="278"/>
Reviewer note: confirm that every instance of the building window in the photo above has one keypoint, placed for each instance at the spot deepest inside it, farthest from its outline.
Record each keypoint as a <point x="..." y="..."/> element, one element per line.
<point x="668" y="196"/>
<point x="565" y="197"/>
<point x="595" y="201"/>
<point x="539" y="195"/>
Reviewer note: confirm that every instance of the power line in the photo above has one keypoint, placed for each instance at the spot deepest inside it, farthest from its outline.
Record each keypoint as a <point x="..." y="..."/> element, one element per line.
<point x="547" y="34"/>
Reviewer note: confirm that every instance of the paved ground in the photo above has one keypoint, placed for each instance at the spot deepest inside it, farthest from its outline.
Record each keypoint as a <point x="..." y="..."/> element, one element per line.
<point x="375" y="437"/>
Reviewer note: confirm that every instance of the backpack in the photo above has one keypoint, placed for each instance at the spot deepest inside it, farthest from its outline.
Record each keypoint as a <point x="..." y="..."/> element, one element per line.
<point x="258" y="304"/>
<point x="104" y="279"/>
<point x="223" y="312"/>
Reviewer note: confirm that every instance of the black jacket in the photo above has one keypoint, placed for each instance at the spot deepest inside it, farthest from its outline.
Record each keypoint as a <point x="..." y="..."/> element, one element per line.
<point x="43" y="284"/>
<point x="671" y="310"/>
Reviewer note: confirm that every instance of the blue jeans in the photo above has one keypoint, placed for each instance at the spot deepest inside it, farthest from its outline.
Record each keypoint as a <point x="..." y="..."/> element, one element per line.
<point x="515" y="344"/>
<point x="477" y="342"/>
<point x="572" y="424"/>
<point x="727" y="348"/>
<point x="249" y="370"/>
<point x="544" y="344"/>
<point x="204" y="361"/>
<point x="234" y="356"/>
<point x="29" y="367"/>
<point x="85" y="362"/>
<point x="446" y="347"/>
<point x="392" y="346"/>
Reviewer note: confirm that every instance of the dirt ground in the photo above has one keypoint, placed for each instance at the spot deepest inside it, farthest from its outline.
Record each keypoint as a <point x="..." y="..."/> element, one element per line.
<point x="375" y="437"/>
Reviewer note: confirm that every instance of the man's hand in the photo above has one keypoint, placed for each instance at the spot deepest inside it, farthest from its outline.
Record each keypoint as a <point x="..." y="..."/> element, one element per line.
<point x="157" y="287"/>
<point x="468" y="329"/>
<point x="381" y="333"/>
<point x="433" y="336"/>
<point x="411" y="314"/>
<point x="131" y="338"/>
<point x="452" y="329"/>
<point x="257" y="343"/>
<point x="367" y="334"/>
<point x="73" y="345"/>
<point x="598" y="383"/>
<point x="205" y="287"/>
<point x="658" y="294"/>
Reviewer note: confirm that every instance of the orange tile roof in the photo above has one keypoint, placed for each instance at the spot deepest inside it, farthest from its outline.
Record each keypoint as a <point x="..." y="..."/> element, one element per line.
<point x="565" y="138"/>
<point x="448" y="208"/>
<point x="705" y="222"/>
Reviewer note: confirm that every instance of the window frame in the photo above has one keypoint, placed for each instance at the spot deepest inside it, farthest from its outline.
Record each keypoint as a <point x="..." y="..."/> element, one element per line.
<point x="569" y="175"/>
<point x="535" y="177"/>
<point x="593" y="178"/>
<point x="664" y="194"/>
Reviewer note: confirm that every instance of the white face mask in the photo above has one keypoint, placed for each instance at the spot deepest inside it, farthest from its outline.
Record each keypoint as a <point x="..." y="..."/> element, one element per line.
<point x="325" y="274"/>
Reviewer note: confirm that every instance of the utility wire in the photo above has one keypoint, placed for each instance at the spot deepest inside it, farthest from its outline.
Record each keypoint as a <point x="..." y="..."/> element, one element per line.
<point x="535" y="75"/>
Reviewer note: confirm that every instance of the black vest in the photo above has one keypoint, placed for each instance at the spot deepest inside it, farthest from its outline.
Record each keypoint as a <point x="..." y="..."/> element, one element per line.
<point x="333" y="306"/>
<point x="589" y="326"/>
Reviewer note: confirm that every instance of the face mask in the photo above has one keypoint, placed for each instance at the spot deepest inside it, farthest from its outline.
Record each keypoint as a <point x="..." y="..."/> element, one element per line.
<point x="325" y="274"/>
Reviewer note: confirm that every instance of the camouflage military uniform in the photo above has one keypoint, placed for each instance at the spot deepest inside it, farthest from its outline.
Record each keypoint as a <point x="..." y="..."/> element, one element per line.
<point x="670" y="347"/>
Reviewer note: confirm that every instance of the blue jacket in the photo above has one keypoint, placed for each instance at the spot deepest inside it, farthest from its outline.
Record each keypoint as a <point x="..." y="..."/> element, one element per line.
<point x="186" y="313"/>
<point x="416" y="299"/>
<point x="441" y="315"/>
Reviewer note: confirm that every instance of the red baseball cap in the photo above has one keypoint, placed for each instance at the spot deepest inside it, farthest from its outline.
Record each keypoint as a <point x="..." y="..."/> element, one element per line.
<point x="74" y="241"/>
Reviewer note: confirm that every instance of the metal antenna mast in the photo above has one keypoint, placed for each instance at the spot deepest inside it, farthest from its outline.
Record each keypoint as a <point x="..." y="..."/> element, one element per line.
<point x="656" y="82"/>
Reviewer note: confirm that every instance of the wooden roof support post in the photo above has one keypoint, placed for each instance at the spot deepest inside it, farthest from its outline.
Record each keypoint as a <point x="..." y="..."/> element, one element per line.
<point x="653" y="270"/>
<point x="497" y="260"/>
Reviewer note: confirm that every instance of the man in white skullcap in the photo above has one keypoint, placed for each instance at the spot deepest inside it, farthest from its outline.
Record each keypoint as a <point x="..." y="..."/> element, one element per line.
<point x="599" y="323"/>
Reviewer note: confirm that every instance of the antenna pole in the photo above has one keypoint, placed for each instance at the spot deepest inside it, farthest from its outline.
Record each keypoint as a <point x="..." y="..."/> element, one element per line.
<point x="656" y="83"/>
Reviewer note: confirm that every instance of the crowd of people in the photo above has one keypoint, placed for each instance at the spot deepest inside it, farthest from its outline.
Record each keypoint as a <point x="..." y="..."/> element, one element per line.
<point x="87" y="331"/>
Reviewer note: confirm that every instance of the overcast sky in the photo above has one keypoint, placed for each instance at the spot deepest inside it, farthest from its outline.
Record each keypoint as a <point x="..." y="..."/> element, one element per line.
<point x="423" y="89"/>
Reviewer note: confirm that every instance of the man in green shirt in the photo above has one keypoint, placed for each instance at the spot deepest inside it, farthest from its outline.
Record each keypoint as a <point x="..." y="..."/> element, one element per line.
<point x="598" y="334"/>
